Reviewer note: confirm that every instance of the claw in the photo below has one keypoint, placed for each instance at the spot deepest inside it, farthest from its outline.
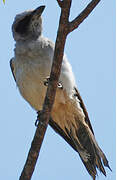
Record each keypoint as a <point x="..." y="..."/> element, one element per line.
<point x="36" y="122"/>
<point x="46" y="81"/>
<point x="60" y="86"/>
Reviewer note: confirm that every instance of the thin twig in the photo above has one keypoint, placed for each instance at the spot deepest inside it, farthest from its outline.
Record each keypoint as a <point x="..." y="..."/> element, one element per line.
<point x="60" y="3"/>
<point x="83" y="15"/>
<point x="64" y="28"/>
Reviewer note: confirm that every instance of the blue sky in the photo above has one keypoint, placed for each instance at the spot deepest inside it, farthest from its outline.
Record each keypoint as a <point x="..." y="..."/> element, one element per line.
<point x="91" y="51"/>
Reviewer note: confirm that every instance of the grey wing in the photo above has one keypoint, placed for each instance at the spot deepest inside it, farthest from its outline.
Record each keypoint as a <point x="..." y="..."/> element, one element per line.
<point x="12" y="68"/>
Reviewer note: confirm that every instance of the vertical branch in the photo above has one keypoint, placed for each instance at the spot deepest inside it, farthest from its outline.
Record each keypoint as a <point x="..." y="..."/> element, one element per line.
<point x="65" y="27"/>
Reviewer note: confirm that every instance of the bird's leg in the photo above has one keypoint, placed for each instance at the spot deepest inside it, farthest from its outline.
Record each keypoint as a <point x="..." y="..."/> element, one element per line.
<point x="46" y="81"/>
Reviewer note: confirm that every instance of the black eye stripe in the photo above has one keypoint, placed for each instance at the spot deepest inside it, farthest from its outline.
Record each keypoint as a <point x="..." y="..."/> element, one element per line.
<point x="22" y="26"/>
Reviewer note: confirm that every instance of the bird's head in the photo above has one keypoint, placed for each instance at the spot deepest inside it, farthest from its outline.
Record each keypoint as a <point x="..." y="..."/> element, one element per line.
<point x="28" y="25"/>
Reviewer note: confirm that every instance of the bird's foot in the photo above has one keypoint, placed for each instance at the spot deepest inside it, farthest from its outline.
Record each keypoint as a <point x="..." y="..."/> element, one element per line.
<point x="46" y="81"/>
<point x="38" y="121"/>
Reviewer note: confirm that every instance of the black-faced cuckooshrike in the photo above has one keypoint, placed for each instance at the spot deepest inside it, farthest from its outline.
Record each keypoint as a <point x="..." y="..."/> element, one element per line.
<point x="30" y="66"/>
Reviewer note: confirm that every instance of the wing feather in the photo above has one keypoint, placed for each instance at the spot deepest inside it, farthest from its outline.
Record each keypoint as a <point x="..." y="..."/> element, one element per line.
<point x="76" y="129"/>
<point x="84" y="110"/>
<point x="12" y="68"/>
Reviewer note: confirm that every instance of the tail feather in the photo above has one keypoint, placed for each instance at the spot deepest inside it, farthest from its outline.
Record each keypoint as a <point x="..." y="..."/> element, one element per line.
<point x="104" y="159"/>
<point x="83" y="141"/>
<point x="90" y="168"/>
<point x="87" y="159"/>
<point x="88" y="149"/>
<point x="99" y="164"/>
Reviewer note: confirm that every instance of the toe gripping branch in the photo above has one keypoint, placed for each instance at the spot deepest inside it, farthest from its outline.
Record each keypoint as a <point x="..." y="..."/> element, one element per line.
<point x="46" y="82"/>
<point x="38" y="121"/>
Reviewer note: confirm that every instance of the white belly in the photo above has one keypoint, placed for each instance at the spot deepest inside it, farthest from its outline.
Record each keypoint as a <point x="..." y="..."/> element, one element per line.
<point x="30" y="81"/>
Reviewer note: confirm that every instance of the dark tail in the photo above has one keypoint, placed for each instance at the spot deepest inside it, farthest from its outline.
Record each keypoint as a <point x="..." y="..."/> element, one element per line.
<point x="83" y="141"/>
<point x="89" y="151"/>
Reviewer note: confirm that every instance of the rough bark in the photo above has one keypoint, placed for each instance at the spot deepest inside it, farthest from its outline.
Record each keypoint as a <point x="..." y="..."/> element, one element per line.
<point x="65" y="27"/>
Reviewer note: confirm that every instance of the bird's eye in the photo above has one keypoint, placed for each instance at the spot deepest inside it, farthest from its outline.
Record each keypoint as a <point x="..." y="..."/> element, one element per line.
<point x="35" y="24"/>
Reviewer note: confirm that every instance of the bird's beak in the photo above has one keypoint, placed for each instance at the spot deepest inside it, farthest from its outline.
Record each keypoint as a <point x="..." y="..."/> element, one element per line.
<point x="38" y="11"/>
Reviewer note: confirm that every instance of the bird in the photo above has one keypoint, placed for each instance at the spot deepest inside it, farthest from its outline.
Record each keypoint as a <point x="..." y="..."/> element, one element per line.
<point x="31" y="66"/>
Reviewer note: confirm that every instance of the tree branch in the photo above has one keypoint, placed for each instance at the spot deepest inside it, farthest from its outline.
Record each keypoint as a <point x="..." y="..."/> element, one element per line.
<point x="60" y="3"/>
<point x="64" y="28"/>
<point x="83" y="15"/>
